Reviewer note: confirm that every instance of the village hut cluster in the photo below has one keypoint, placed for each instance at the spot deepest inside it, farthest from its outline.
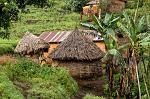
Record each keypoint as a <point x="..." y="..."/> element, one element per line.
<point x="76" y="52"/>
<point x="79" y="52"/>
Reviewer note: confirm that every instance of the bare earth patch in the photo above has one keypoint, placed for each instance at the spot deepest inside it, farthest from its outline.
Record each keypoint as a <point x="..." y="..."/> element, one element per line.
<point x="7" y="59"/>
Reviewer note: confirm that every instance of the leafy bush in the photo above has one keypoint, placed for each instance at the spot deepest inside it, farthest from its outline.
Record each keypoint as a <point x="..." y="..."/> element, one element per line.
<point x="39" y="3"/>
<point x="7" y="89"/>
<point x="47" y="89"/>
<point x="88" y="96"/>
<point x="46" y="82"/>
<point x="8" y="12"/>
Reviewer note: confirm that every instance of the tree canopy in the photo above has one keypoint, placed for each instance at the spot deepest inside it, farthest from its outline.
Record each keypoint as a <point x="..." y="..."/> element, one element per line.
<point x="8" y="12"/>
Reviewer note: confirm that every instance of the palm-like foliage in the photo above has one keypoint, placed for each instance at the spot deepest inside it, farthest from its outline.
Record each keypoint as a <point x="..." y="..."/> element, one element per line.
<point x="104" y="26"/>
<point x="133" y="30"/>
<point x="112" y="57"/>
<point x="137" y="33"/>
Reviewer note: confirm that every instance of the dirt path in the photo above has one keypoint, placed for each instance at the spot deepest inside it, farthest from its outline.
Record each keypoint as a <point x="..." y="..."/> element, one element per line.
<point x="94" y="87"/>
<point x="7" y="59"/>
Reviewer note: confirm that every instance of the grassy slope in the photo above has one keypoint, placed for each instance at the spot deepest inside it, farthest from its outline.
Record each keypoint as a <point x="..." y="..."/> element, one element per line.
<point x="44" y="19"/>
<point x="38" y="81"/>
<point x="7" y="46"/>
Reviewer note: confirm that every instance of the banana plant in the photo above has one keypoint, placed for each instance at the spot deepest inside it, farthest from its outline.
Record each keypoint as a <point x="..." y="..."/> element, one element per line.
<point x="133" y="30"/>
<point x="114" y="58"/>
<point x="104" y="26"/>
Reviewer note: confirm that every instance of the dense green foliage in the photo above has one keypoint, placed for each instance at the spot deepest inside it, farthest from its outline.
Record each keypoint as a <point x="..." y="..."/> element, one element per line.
<point x="7" y="89"/>
<point x="136" y="31"/>
<point x="8" y="12"/>
<point x="44" y="81"/>
<point x="39" y="3"/>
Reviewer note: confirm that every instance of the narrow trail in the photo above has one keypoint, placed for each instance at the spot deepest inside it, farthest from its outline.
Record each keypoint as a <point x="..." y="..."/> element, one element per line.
<point x="94" y="87"/>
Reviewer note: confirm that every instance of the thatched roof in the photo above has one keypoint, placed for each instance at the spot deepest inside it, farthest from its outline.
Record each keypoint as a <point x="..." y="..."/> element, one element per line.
<point x="76" y="47"/>
<point x="30" y="43"/>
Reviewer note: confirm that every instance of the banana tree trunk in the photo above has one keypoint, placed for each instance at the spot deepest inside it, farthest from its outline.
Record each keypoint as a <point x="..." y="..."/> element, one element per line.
<point x="110" y="75"/>
<point x="137" y="75"/>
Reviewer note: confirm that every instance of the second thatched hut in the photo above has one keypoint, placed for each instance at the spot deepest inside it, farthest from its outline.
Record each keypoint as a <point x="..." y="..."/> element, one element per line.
<point x="31" y="46"/>
<point x="79" y="55"/>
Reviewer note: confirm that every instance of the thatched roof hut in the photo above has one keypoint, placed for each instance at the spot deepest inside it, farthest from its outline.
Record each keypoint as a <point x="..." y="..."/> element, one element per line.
<point x="30" y="43"/>
<point x="78" y="54"/>
<point x="76" y="47"/>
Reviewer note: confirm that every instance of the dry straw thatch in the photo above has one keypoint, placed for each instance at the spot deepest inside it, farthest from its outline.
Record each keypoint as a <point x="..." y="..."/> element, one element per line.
<point x="30" y="43"/>
<point x="76" y="47"/>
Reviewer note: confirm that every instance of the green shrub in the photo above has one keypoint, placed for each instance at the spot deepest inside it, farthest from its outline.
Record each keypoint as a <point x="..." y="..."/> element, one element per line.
<point x="39" y="3"/>
<point x="88" y="96"/>
<point x="49" y="90"/>
<point x="7" y="89"/>
<point x="8" y="13"/>
<point x="46" y="82"/>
